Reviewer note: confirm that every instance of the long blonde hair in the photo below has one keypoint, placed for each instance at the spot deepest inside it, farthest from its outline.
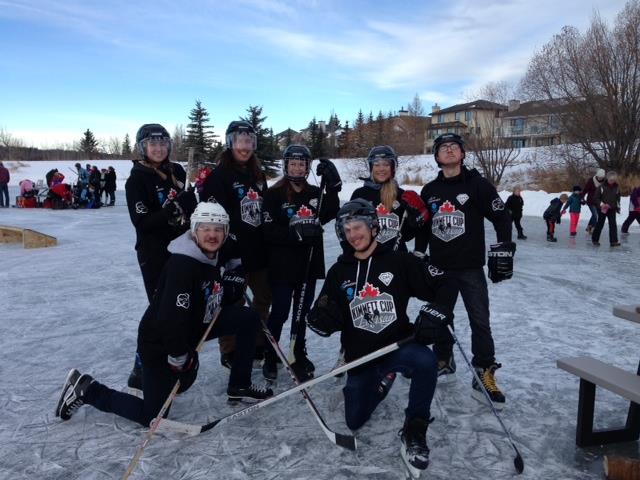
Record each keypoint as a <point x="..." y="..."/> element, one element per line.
<point x="389" y="194"/>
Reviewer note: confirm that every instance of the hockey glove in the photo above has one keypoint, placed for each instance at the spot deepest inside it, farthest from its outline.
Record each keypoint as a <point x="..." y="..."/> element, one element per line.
<point x="307" y="232"/>
<point x="501" y="261"/>
<point x="234" y="285"/>
<point x="325" y="317"/>
<point x="185" y="367"/>
<point x="330" y="176"/>
<point x="187" y="201"/>
<point x="431" y="324"/>
<point x="417" y="213"/>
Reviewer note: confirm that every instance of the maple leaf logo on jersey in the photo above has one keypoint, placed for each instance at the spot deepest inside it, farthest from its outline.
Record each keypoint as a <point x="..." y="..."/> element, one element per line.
<point x="251" y="195"/>
<point x="447" y="207"/>
<point x="381" y="209"/>
<point x="304" y="212"/>
<point x="368" y="290"/>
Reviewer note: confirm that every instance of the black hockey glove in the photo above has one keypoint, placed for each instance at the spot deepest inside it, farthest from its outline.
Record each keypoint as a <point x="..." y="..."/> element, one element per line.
<point x="431" y="324"/>
<point x="234" y="285"/>
<point x="330" y="176"/>
<point x="187" y="201"/>
<point x="307" y="232"/>
<point x="501" y="261"/>
<point x="325" y="317"/>
<point x="186" y="369"/>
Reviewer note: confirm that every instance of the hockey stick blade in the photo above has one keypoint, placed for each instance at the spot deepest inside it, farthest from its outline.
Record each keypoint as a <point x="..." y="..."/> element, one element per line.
<point x="518" y="462"/>
<point x="170" y="425"/>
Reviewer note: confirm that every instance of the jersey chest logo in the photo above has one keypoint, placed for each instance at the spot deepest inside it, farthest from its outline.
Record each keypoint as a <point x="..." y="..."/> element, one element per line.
<point x="448" y="223"/>
<point x="251" y="208"/>
<point x="213" y="295"/>
<point x="389" y="224"/>
<point x="371" y="310"/>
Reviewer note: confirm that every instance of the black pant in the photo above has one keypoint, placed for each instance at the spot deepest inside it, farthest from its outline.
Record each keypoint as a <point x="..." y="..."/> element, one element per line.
<point x="158" y="380"/>
<point x="516" y="222"/>
<point x="613" y="228"/>
<point x="151" y="264"/>
<point x="633" y="215"/>
<point x="472" y="285"/>
<point x="4" y="195"/>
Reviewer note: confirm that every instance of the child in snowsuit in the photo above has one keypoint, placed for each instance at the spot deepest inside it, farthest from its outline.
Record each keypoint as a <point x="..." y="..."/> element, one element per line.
<point x="574" y="204"/>
<point x="552" y="215"/>
<point x="515" y="204"/>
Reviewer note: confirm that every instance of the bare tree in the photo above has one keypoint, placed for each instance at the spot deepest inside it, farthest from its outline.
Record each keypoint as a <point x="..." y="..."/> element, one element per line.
<point x="597" y="76"/>
<point x="489" y="149"/>
<point x="113" y="146"/>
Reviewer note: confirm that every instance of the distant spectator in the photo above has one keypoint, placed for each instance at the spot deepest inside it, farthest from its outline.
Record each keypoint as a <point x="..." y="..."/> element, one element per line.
<point x="110" y="186"/>
<point x="49" y="176"/>
<point x="634" y="210"/>
<point x="607" y="197"/>
<point x="103" y="181"/>
<point x="574" y="204"/>
<point x="27" y="188"/>
<point x="4" y="186"/>
<point x="515" y="204"/>
<point x="589" y="191"/>
<point x="552" y="216"/>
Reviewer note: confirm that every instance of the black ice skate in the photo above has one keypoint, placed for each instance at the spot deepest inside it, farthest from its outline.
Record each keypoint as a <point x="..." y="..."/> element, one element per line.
<point x="413" y="445"/>
<point x="488" y="379"/>
<point x="134" y="382"/>
<point x="249" y="394"/>
<point x="447" y="371"/>
<point x="73" y="394"/>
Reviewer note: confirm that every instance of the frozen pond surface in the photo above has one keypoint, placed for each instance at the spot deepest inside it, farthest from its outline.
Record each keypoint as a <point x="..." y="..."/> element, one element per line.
<point x="78" y="305"/>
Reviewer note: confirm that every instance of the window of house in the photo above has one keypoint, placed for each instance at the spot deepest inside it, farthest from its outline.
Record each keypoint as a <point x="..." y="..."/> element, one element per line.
<point x="467" y="116"/>
<point x="517" y="142"/>
<point x="458" y="116"/>
<point x="441" y="118"/>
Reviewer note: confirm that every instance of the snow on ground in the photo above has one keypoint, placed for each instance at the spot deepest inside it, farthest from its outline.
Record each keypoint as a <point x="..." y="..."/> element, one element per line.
<point x="78" y="305"/>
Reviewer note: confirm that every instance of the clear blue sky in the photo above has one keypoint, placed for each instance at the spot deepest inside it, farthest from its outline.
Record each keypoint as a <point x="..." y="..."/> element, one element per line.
<point x="111" y="65"/>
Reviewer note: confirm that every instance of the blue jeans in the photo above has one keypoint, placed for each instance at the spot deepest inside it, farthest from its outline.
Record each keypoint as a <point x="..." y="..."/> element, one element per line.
<point x="415" y="361"/>
<point x="472" y="285"/>
<point x="158" y="380"/>
<point x="282" y="294"/>
<point x="4" y="195"/>
<point x="594" y="215"/>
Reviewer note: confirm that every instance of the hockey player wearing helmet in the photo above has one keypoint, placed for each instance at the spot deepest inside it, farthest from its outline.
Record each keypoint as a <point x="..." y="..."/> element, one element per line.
<point x="190" y="293"/>
<point x="293" y="219"/>
<point x="365" y="297"/>
<point x="238" y="183"/>
<point x="156" y="201"/>
<point x="392" y="202"/>
<point x="459" y="200"/>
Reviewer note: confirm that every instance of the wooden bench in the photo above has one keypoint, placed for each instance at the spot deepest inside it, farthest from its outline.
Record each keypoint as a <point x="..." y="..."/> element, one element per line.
<point x="28" y="238"/>
<point x="593" y="372"/>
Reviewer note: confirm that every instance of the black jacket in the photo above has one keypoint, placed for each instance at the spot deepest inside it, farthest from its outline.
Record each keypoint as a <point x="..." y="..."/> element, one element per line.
<point x="389" y="221"/>
<point x="189" y="291"/>
<point x="515" y="204"/>
<point x="146" y="193"/>
<point x="552" y="213"/>
<point x="287" y="256"/>
<point x="374" y="306"/>
<point x="110" y="181"/>
<point x="458" y="207"/>
<point x="241" y="196"/>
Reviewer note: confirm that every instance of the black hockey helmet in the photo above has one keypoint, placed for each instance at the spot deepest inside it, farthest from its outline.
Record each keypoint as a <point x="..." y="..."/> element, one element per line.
<point x="357" y="209"/>
<point x="236" y="129"/>
<point x="296" y="152"/>
<point x="151" y="131"/>
<point x="383" y="152"/>
<point x="447" y="138"/>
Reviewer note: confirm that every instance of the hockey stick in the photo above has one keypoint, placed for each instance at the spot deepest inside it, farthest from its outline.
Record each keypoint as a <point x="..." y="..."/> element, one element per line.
<point x="156" y="422"/>
<point x="518" y="463"/>
<point x="344" y="441"/>
<point x="171" y="425"/>
<point x="303" y="290"/>
<point x="399" y="236"/>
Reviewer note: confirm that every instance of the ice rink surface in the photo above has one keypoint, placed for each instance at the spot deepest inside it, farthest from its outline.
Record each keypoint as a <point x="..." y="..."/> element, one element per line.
<point x="78" y="305"/>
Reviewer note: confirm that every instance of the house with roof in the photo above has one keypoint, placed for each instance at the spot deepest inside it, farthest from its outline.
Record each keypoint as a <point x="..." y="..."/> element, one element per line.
<point x="534" y="124"/>
<point x="464" y="119"/>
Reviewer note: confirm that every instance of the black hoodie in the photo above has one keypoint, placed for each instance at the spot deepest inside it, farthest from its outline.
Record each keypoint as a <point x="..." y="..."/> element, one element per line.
<point x="373" y="295"/>
<point x="458" y="207"/>
<point x="146" y="192"/>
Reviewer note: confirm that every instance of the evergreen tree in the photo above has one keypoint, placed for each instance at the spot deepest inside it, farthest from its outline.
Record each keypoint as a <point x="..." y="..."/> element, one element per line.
<point x="89" y="145"/>
<point x="126" y="146"/>
<point x="360" y="135"/>
<point x="288" y="137"/>
<point x="379" y="138"/>
<point x="316" y="139"/>
<point x="344" y="142"/>
<point x="266" y="144"/>
<point x="199" y="135"/>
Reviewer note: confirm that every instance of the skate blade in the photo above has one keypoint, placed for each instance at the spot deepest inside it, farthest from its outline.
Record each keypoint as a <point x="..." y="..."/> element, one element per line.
<point x="412" y="471"/>
<point x="65" y="387"/>
<point x="479" y="396"/>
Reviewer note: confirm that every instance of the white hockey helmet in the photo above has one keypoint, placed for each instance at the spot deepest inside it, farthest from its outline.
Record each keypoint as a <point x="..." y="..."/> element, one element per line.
<point x="209" y="212"/>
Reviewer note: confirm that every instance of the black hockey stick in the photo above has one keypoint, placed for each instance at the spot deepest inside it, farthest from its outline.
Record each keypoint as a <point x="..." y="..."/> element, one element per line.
<point x="518" y="463"/>
<point x="156" y="422"/>
<point x="295" y="324"/>
<point x="171" y="425"/>
<point x="344" y="441"/>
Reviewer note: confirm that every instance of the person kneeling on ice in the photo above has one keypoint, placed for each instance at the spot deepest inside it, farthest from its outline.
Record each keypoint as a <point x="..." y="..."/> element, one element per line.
<point x="365" y="297"/>
<point x="190" y="292"/>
